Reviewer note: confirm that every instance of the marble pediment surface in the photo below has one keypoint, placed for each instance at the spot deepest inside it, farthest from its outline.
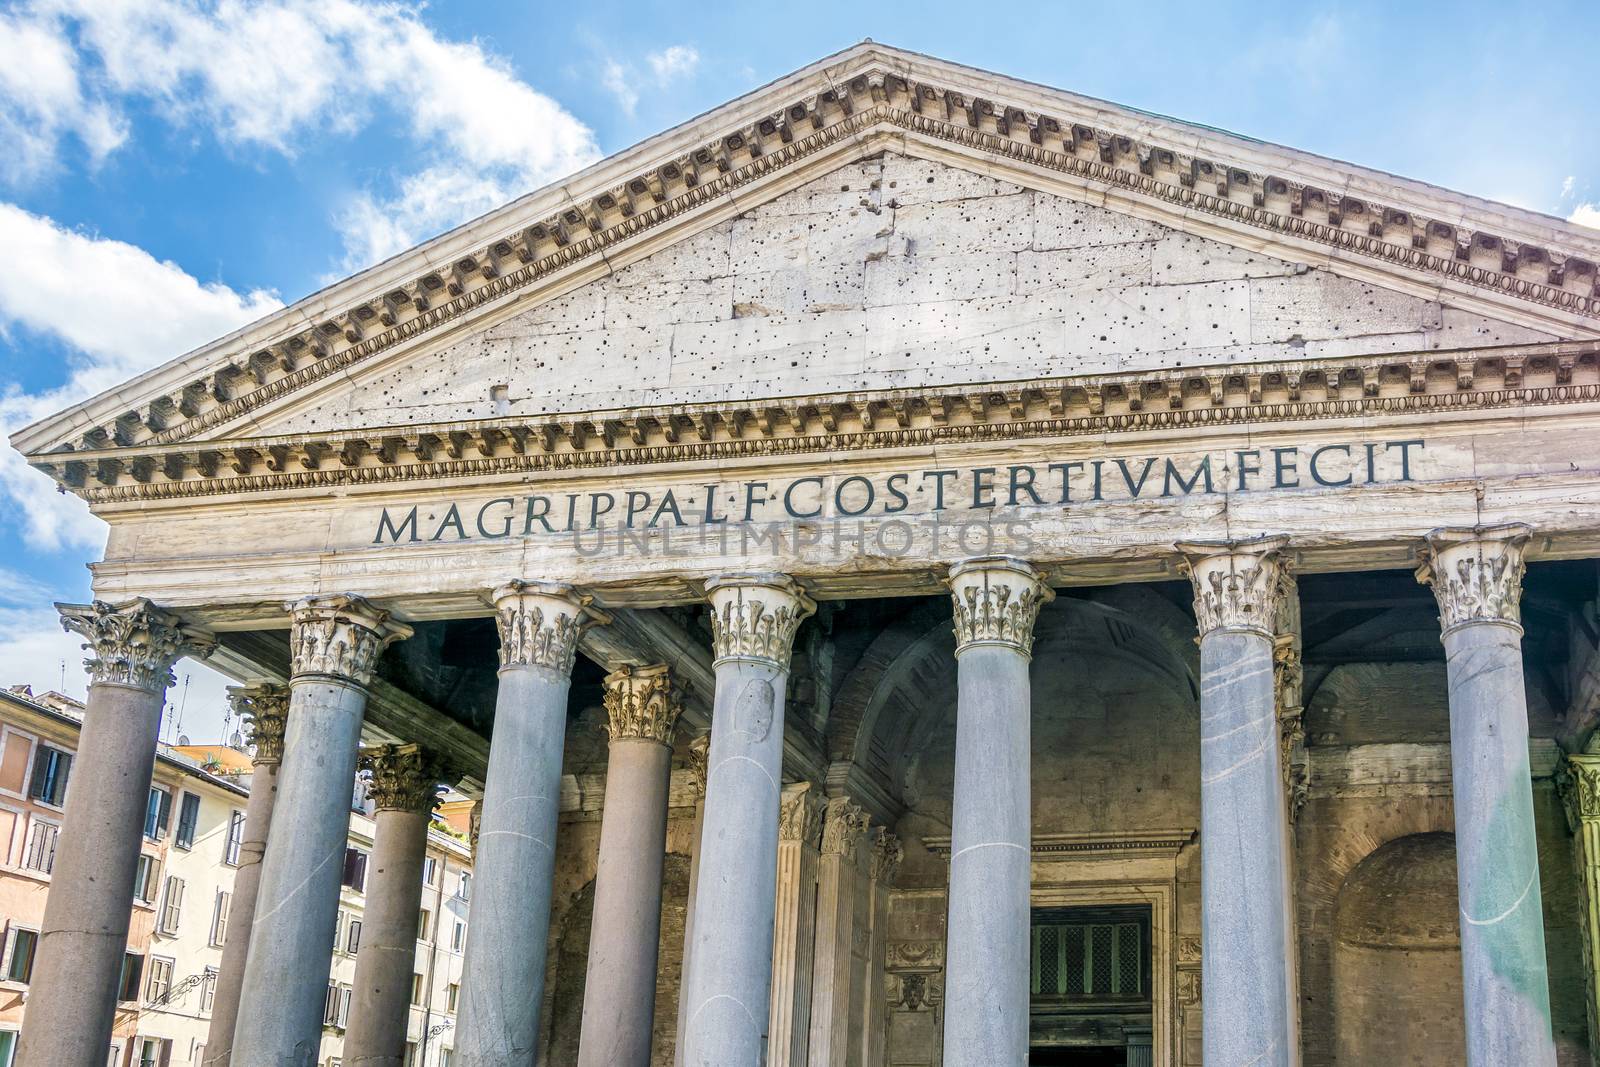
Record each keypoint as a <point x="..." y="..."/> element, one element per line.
<point x="879" y="220"/>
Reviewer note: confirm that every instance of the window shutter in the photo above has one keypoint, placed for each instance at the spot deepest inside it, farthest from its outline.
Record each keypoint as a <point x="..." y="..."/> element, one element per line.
<point x="188" y="820"/>
<point x="164" y="813"/>
<point x="41" y="771"/>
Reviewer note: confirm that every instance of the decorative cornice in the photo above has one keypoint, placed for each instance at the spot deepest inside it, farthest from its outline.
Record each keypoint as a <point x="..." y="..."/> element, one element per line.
<point x="404" y="777"/>
<point x="1169" y="399"/>
<point x="264" y="708"/>
<point x="641" y="704"/>
<point x="1104" y="158"/>
<point x="995" y="600"/>
<point x="1476" y="574"/>
<point x="1093" y="843"/>
<point x="540" y="623"/>
<point x="1237" y="584"/>
<point x="800" y="811"/>
<point x="755" y="616"/>
<point x="133" y="643"/>
<point x="844" y="827"/>
<point x="339" y="636"/>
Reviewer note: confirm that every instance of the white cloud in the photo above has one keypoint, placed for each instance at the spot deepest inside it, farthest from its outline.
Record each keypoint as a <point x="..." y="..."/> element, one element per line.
<point x="123" y="311"/>
<point x="270" y="74"/>
<point x="1586" y="215"/>
<point x="670" y="64"/>
<point x="1567" y="185"/>
<point x="375" y="227"/>
<point x="42" y="101"/>
<point x="673" y="63"/>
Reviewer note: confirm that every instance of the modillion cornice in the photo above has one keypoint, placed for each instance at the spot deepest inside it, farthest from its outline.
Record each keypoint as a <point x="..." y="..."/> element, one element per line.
<point x="1539" y="269"/>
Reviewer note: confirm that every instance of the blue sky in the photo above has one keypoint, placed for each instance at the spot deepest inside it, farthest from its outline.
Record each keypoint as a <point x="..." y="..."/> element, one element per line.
<point x="171" y="170"/>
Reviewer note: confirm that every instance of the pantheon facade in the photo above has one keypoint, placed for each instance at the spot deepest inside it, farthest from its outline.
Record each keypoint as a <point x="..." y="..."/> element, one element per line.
<point x="919" y="568"/>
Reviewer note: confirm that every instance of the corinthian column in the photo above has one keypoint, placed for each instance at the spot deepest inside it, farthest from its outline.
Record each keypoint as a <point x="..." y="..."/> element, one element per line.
<point x="1476" y="577"/>
<point x="405" y="788"/>
<point x="754" y="619"/>
<point x="619" y="992"/>
<point x="502" y="976"/>
<point x="995" y="601"/>
<point x="265" y="710"/>
<point x="1244" y="871"/>
<point x="73" y="999"/>
<point x="334" y="643"/>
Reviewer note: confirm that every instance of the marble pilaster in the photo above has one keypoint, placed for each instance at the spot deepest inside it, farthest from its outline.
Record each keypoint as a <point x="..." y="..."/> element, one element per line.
<point x="1476" y="577"/>
<point x="333" y="646"/>
<point x="619" y="993"/>
<point x="264" y="709"/>
<point x="72" y="998"/>
<point x="841" y="893"/>
<point x="404" y="790"/>
<point x="995" y="603"/>
<point x="699" y="749"/>
<point x="502" y="983"/>
<point x="754" y="619"/>
<point x="794" y="925"/>
<point x="1250" y="1004"/>
<point x="1579" y="780"/>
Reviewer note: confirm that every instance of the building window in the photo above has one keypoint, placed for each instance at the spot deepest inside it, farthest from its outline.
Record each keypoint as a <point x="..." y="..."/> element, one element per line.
<point x="219" y="919"/>
<point x="355" y="869"/>
<point x="154" y="1051"/>
<point x="1091" y="953"/>
<point x="464" y="887"/>
<point x="208" y="991"/>
<point x="230" y="848"/>
<point x="447" y="1057"/>
<point x="458" y="936"/>
<point x="411" y="1054"/>
<point x="416" y="988"/>
<point x="8" y="1047"/>
<point x="160" y="980"/>
<point x="144" y="880"/>
<point x="422" y="924"/>
<point x="430" y="870"/>
<point x="344" y="1007"/>
<point x="452" y="993"/>
<point x="132" y="976"/>
<point x="157" y="814"/>
<point x="40" y="854"/>
<point x="51" y="766"/>
<point x="188" y="821"/>
<point x="171" y="906"/>
<point x="352" y="936"/>
<point x="19" y="955"/>
<point x="330" y="1005"/>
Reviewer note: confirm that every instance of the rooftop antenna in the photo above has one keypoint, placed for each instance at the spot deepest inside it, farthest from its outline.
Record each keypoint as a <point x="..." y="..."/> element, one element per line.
<point x="183" y="702"/>
<point x="63" y="676"/>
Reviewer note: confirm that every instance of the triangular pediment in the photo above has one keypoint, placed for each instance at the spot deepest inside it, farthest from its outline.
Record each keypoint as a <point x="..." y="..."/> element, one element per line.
<point x="851" y="227"/>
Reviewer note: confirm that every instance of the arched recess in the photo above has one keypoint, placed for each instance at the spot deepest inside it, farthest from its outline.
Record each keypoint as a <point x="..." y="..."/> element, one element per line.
<point x="1397" y="994"/>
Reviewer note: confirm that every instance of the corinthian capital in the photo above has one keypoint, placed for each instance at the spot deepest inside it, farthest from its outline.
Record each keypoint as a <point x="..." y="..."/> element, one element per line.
<point x="264" y="708"/>
<point x="540" y="623"/>
<point x="844" y="827"/>
<point x="1578" y="779"/>
<point x="755" y="616"/>
<point x="339" y="636"/>
<point x="800" y="814"/>
<point x="1476" y="574"/>
<point x="996" y="600"/>
<point x="133" y="643"/>
<point x="887" y="853"/>
<point x="699" y="757"/>
<point x="641" y="703"/>
<point x="1238" y="585"/>
<point x="404" y="777"/>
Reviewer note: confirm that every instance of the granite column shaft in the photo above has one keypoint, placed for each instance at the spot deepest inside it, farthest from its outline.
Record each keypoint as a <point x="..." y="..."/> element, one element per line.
<point x="996" y="601"/>
<point x="754" y="619"/>
<point x="266" y="709"/>
<point x="333" y="646"/>
<point x="502" y="981"/>
<point x="619" y="993"/>
<point x="1476" y="577"/>
<point x="72" y="999"/>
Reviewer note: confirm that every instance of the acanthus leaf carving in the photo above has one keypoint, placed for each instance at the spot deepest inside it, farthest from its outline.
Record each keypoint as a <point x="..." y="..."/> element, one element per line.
<point x="264" y="709"/>
<point x="339" y="636"/>
<point x="641" y="703"/>
<point x="1237" y="584"/>
<point x="404" y="777"/>
<point x="1476" y="574"/>
<point x="844" y="827"/>
<point x="800" y="815"/>
<point x="540" y="624"/>
<point x="995" y="600"/>
<point x="133" y="643"/>
<point x="755" y="617"/>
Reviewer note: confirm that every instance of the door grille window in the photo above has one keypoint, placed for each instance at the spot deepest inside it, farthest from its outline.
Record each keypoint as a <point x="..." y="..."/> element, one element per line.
<point x="1095" y="953"/>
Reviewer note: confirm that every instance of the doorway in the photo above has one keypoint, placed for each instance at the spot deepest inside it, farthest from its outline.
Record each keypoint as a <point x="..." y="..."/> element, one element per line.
<point x="1077" y="1057"/>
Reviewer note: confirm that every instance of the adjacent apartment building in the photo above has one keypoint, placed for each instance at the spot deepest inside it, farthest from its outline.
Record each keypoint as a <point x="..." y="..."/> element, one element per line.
<point x="193" y="825"/>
